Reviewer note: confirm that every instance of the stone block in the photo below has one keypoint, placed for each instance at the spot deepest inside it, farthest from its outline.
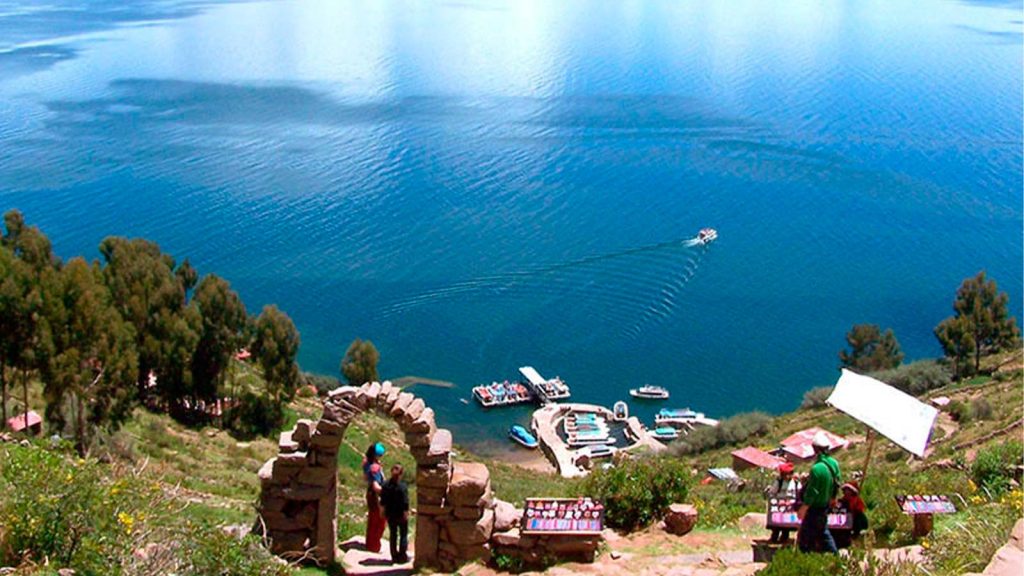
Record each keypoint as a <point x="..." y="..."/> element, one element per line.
<point x="506" y="516"/>
<point x="470" y="481"/>
<point x="509" y="539"/>
<point x="335" y="412"/>
<point x="412" y="412"/>
<point x="425" y="544"/>
<point x="681" y="518"/>
<point x="329" y="428"/>
<point x="387" y="402"/>
<point x="266" y="472"/>
<point x="385" y="389"/>
<point x="293" y="459"/>
<point x="303" y="430"/>
<point x="305" y="492"/>
<point x="343" y="392"/>
<point x="326" y="534"/>
<point x="472" y="553"/>
<point x="270" y="503"/>
<point x="424" y="424"/>
<point x="428" y="495"/>
<point x="581" y="548"/>
<point x="414" y="440"/>
<point x="369" y="393"/>
<point x="434" y="510"/>
<point x="282" y="542"/>
<point x="433" y="476"/>
<point x="467" y="532"/>
<point x="467" y="512"/>
<point x="280" y="522"/>
<point x="321" y="441"/>
<point x="401" y="403"/>
<point x="285" y="444"/>
<point x="323" y="456"/>
<point x="440" y="444"/>
<point x="317" y="475"/>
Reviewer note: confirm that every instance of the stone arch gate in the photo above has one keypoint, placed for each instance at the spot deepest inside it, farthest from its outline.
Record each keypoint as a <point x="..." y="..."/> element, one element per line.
<point x="299" y="498"/>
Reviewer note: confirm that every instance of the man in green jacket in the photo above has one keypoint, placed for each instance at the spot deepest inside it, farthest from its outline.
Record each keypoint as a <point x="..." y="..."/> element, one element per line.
<point x="821" y="488"/>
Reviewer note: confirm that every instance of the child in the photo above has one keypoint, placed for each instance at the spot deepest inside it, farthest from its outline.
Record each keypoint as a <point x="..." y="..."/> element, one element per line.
<point x="855" y="504"/>
<point x="785" y="486"/>
<point x="395" y="498"/>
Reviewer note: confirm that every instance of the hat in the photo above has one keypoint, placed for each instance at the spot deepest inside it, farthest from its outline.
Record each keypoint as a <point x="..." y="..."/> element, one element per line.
<point x="821" y="441"/>
<point x="851" y="486"/>
<point x="786" y="467"/>
<point x="378" y="449"/>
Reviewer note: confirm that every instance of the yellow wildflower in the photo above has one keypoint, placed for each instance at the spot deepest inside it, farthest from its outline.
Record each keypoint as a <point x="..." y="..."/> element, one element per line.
<point x="126" y="520"/>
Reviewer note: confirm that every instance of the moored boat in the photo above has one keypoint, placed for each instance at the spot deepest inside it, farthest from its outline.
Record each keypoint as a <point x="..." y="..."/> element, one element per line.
<point x="620" y="411"/>
<point x="522" y="436"/>
<point x="649" y="392"/>
<point x="598" y="451"/>
<point x="664" y="433"/>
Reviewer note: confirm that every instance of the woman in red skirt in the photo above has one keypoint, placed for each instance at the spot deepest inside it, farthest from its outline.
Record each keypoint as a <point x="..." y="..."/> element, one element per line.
<point x="373" y="472"/>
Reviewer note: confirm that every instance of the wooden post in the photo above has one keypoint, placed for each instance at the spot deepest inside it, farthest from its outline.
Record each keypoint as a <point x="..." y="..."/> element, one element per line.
<point x="867" y="459"/>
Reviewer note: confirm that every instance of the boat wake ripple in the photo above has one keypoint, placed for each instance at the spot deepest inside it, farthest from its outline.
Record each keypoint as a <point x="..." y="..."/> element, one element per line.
<point x="631" y="290"/>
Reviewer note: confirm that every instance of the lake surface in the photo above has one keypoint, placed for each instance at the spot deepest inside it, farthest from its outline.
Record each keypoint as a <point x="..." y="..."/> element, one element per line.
<point x="476" y="185"/>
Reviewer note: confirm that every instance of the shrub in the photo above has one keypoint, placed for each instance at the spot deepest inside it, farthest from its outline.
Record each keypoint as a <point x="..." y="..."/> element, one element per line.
<point x="791" y="562"/>
<point x="636" y="492"/>
<point x="76" y="514"/>
<point x="815" y="397"/>
<point x="732" y="430"/>
<point x="321" y="382"/>
<point x="981" y="409"/>
<point x="993" y="466"/>
<point x="253" y="416"/>
<point x="959" y="411"/>
<point x="917" y="377"/>
<point x="968" y="544"/>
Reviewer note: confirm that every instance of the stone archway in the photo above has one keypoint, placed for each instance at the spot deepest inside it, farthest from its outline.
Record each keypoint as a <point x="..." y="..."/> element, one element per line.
<point x="298" y="499"/>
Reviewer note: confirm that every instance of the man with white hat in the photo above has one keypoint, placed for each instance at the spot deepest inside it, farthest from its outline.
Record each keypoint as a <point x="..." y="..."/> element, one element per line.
<point x="821" y="489"/>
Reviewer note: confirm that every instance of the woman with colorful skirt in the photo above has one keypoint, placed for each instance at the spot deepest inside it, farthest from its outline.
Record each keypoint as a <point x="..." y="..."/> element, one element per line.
<point x="373" y="473"/>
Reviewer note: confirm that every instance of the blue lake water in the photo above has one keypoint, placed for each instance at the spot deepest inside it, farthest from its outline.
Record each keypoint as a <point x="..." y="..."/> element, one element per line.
<point x="481" y="184"/>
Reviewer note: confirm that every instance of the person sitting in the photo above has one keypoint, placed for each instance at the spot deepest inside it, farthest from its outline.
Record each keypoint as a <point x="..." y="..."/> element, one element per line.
<point x="395" y="498"/>
<point x="785" y="486"/>
<point x="852" y="501"/>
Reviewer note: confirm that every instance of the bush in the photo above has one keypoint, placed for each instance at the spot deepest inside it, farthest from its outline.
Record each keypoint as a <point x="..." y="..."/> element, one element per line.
<point x="969" y="544"/>
<point x="733" y="430"/>
<point x="959" y="412"/>
<point x="253" y="416"/>
<point x="994" y="466"/>
<point x="321" y="382"/>
<point x="815" y="397"/>
<point x="981" y="409"/>
<point x="73" y="513"/>
<point x="916" y="378"/>
<point x="637" y="492"/>
<point x="791" y="562"/>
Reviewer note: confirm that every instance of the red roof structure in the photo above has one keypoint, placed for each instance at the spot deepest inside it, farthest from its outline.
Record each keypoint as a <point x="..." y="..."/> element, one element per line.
<point x="799" y="444"/>
<point x="751" y="457"/>
<point x="17" y="424"/>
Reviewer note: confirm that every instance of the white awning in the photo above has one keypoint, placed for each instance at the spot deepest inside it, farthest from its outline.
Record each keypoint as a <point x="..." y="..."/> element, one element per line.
<point x="532" y="375"/>
<point x="898" y="416"/>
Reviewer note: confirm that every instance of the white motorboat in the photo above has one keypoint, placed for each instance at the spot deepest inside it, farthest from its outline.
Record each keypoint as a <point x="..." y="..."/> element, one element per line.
<point x="649" y="392"/>
<point x="707" y="236"/>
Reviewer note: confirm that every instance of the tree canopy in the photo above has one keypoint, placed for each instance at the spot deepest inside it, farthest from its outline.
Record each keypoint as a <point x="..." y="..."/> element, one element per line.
<point x="224" y="323"/>
<point x="359" y="365"/>
<point x="981" y="324"/>
<point x="275" y="346"/>
<point x="870" y="349"/>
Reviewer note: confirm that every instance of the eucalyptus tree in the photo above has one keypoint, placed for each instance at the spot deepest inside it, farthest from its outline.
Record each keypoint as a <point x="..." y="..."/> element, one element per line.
<point x="275" y="347"/>
<point x="981" y="324"/>
<point x="224" y="322"/>
<point x="870" y="349"/>
<point x="359" y="365"/>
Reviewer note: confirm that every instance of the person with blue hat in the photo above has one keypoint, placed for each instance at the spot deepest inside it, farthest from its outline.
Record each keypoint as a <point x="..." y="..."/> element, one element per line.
<point x="373" y="472"/>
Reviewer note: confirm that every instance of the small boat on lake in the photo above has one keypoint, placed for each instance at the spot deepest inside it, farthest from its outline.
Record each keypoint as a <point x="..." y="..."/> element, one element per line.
<point x="664" y="433"/>
<point x="620" y="411"/>
<point x="522" y="436"/>
<point x="682" y="418"/>
<point x="577" y="441"/>
<point x="649" y="392"/>
<point x="598" y="451"/>
<point x="707" y="236"/>
<point x="502" y="394"/>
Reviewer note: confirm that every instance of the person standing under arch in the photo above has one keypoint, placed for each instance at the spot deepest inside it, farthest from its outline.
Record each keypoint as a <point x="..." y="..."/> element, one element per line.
<point x="373" y="473"/>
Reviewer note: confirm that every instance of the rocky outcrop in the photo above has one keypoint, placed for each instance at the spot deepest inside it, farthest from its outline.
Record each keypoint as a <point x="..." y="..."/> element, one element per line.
<point x="298" y="499"/>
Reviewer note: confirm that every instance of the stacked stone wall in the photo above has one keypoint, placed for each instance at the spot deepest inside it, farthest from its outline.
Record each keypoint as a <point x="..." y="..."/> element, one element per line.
<point x="298" y="499"/>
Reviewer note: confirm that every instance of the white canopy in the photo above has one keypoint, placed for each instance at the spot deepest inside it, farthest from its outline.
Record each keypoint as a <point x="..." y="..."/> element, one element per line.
<point x="893" y="414"/>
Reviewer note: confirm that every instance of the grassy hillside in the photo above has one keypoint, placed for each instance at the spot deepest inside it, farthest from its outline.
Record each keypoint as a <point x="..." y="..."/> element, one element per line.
<point x="211" y="477"/>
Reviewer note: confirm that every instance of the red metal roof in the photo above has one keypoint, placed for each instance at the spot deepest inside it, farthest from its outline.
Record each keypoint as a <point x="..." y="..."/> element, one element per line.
<point x="17" y="423"/>
<point x="758" y="458"/>
<point x="799" y="444"/>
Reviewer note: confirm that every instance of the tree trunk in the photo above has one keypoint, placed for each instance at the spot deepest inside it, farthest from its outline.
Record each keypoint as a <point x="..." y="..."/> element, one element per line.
<point x="977" y="355"/>
<point x="24" y="389"/>
<point x="3" y="394"/>
<point x="80" y="432"/>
